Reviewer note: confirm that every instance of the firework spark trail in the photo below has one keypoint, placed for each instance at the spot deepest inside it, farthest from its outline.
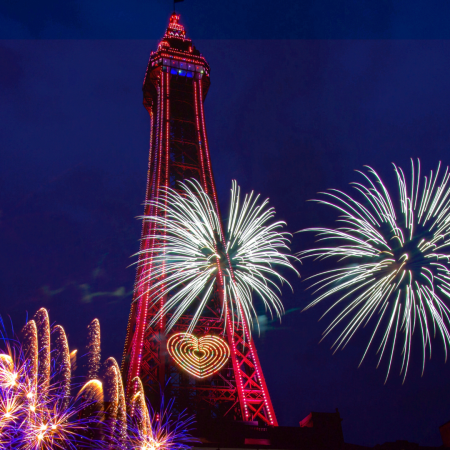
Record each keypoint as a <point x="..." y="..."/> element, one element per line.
<point x="35" y="416"/>
<point x="8" y="375"/>
<point x="55" y="426"/>
<point x="36" y="410"/>
<point x="30" y="348"/>
<point x="62" y="361"/>
<point x="92" y="394"/>
<point x="115" y="398"/>
<point x="191" y="250"/>
<point x="94" y="349"/>
<point x="38" y="413"/>
<point x="43" y="334"/>
<point x="10" y="409"/>
<point x="392" y="262"/>
<point x="93" y="390"/>
<point x="111" y="395"/>
<point x="144" y="428"/>
<point x="138" y="409"/>
<point x="73" y="360"/>
<point x="163" y="429"/>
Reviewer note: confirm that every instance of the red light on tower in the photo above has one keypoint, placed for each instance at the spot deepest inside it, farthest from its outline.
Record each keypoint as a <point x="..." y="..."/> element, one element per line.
<point x="175" y="87"/>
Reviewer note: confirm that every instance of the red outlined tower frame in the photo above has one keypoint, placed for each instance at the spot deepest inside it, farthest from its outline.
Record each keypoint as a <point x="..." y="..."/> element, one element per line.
<point x="175" y="87"/>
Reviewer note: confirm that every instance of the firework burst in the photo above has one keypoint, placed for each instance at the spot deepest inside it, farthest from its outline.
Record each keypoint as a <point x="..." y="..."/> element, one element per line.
<point x="38" y="412"/>
<point x="192" y="251"/>
<point x="152" y="430"/>
<point x="392" y="262"/>
<point x="36" y="408"/>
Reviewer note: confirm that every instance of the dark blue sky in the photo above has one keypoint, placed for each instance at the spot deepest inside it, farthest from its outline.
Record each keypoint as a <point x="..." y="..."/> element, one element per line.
<point x="232" y="19"/>
<point x="294" y="107"/>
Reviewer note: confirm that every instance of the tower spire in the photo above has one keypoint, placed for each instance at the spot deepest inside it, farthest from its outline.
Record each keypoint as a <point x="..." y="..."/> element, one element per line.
<point x="175" y="29"/>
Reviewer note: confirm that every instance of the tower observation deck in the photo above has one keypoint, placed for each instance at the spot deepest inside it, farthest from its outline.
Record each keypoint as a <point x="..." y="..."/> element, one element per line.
<point x="175" y="86"/>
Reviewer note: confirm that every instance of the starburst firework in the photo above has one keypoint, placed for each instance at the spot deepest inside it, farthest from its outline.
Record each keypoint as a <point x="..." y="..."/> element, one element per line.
<point x="393" y="262"/>
<point x="152" y="430"/>
<point x="191" y="251"/>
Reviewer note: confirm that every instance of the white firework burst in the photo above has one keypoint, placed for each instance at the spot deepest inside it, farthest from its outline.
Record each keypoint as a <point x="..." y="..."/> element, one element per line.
<point x="392" y="262"/>
<point x="192" y="251"/>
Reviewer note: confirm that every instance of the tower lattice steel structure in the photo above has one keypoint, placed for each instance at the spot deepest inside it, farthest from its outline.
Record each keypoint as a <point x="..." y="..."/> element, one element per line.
<point x="175" y="86"/>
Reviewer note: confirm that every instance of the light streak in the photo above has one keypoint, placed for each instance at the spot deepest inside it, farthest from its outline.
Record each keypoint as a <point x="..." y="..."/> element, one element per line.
<point x="392" y="261"/>
<point x="73" y="360"/>
<point x="93" y="390"/>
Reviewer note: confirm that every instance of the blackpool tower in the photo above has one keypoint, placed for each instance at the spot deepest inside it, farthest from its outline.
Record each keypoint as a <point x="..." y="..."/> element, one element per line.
<point x="175" y="86"/>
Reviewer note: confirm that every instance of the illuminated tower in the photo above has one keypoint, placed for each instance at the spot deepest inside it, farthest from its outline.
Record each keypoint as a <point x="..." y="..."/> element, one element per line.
<point x="175" y="87"/>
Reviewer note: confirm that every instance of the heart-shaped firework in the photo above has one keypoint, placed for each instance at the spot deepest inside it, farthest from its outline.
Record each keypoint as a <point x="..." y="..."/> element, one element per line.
<point x="200" y="357"/>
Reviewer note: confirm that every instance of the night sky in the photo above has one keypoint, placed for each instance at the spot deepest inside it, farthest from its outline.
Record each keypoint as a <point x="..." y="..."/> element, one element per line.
<point x="302" y="94"/>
